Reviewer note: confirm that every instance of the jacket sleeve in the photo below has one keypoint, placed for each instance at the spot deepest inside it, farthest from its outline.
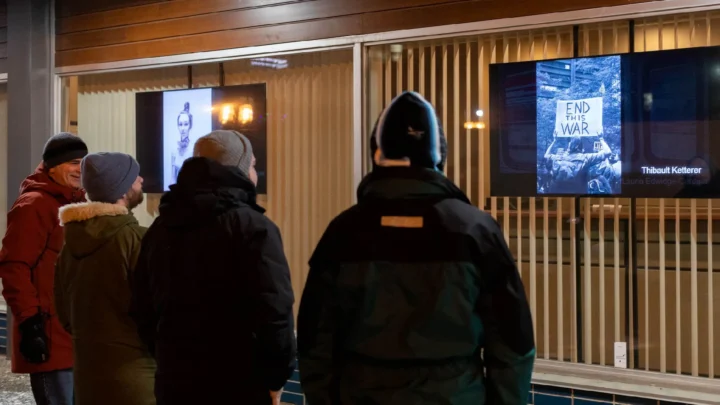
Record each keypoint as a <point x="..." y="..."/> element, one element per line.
<point x="509" y="352"/>
<point x="142" y="310"/>
<point x="272" y="298"/>
<point x="316" y="335"/>
<point x="28" y="228"/>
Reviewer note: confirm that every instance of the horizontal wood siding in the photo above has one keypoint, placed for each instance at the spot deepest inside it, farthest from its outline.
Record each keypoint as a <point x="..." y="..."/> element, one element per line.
<point x="95" y="34"/>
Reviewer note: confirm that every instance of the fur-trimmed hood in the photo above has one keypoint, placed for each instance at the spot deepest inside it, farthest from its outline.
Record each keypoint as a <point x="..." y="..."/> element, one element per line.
<point x="89" y="226"/>
<point x="84" y="211"/>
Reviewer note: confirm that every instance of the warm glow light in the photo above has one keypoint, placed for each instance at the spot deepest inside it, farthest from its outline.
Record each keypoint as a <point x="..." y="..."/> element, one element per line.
<point x="227" y="113"/>
<point x="474" y="125"/>
<point x="246" y="114"/>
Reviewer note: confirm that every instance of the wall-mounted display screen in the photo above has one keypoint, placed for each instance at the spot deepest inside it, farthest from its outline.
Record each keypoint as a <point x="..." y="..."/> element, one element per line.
<point x="633" y="125"/>
<point x="168" y="123"/>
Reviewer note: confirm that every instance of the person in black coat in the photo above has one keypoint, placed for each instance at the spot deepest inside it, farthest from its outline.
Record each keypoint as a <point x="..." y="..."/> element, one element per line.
<point x="212" y="294"/>
<point x="413" y="296"/>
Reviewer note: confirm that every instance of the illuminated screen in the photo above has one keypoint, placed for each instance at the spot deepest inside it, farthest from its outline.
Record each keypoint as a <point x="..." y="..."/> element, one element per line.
<point x="168" y="123"/>
<point x="633" y="125"/>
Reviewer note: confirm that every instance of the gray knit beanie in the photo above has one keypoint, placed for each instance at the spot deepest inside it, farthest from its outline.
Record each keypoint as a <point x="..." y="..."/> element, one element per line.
<point x="107" y="176"/>
<point x="229" y="148"/>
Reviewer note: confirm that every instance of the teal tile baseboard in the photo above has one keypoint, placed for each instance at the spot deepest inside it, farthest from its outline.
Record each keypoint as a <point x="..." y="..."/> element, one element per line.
<point x="539" y="395"/>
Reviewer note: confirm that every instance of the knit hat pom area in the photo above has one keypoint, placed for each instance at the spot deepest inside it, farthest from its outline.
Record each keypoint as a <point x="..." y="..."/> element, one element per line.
<point x="62" y="148"/>
<point x="408" y="131"/>
<point x="107" y="176"/>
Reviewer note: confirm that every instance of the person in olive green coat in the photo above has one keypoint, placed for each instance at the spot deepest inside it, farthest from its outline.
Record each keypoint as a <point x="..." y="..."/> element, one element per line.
<point x="92" y="295"/>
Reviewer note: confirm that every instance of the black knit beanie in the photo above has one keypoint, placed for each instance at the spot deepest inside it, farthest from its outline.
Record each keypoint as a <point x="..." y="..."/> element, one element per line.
<point x="427" y="151"/>
<point x="62" y="148"/>
<point x="408" y="130"/>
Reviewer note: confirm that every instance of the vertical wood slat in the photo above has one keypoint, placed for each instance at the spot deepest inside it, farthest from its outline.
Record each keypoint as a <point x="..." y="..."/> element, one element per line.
<point x="573" y="266"/>
<point x="678" y="295"/>
<point x="630" y="286"/>
<point x="587" y="283"/>
<point x="560" y="270"/>
<point x="433" y="76"/>
<point x="456" y="112"/>
<point x="663" y="290"/>
<point x="421" y="72"/>
<point x="481" y="140"/>
<point x="468" y="117"/>
<point x="533" y="263"/>
<point x="493" y="59"/>
<point x="708" y="29"/>
<point x="506" y="200"/>
<point x="294" y="119"/>
<point x="711" y="296"/>
<point x="646" y="242"/>
<point x="388" y="81"/>
<point x="546" y="242"/>
<point x="601" y="293"/>
<point x="546" y="277"/>
<point x="410" y="70"/>
<point x="445" y="85"/>
<point x="399" y="76"/>
<point x="616" y="248"/>
<point x="519" y="236"/>
<point x="693" y="30"/>
<point x="694" y="332"/>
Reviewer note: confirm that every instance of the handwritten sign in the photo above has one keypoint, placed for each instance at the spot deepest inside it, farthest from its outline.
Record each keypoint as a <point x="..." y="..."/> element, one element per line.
<point x="579" y="117"/>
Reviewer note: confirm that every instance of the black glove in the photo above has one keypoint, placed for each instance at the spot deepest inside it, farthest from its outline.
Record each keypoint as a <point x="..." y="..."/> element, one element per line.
<point x="33" y="340"/>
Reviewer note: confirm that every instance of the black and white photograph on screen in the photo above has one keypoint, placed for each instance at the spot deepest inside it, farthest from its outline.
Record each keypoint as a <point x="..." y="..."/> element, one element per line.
<point x="187" y="116"/>
<point x="579" y="126"/>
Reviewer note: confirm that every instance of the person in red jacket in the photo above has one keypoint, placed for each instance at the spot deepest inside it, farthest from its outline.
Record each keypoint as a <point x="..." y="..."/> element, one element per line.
<point x="41" y="346"/>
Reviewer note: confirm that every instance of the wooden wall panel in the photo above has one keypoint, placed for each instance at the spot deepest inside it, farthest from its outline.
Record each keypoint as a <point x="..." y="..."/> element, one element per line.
<point x="163" y="28"/>
<point x="67" y="8"/>
<point x="233" y="20"/>
<point x="157" y="12"/>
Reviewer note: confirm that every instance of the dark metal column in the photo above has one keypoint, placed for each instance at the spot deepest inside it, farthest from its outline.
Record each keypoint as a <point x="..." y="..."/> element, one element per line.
<point x="29" y="92"/>
<point x="30" y="60"/>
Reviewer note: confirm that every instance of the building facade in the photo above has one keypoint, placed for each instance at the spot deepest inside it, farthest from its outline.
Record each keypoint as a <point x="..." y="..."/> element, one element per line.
<point x="598" y="272"/>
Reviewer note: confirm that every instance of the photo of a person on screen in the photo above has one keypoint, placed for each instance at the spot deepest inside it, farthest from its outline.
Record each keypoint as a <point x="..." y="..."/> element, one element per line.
<point x="575" y="171"/>
<point x="183" y="151"/>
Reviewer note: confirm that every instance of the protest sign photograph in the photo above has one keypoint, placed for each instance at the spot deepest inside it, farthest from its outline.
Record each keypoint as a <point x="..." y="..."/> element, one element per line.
<point x="579" y="126"/>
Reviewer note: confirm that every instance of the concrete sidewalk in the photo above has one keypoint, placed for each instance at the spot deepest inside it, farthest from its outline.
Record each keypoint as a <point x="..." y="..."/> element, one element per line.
<point x="14" y="388"/>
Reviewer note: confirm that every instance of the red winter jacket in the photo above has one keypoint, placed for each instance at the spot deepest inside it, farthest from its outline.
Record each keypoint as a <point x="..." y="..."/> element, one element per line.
<point x="27" y="265"/>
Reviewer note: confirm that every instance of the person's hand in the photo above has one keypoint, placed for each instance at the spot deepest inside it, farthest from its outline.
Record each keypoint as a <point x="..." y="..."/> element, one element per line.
<point x="275" y="396"/>
<point x="33" y="340"/>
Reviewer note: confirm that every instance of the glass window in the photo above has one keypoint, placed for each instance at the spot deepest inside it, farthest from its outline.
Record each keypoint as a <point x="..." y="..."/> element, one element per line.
<point x="309" y="133"/>
<point x="589" y="282"/>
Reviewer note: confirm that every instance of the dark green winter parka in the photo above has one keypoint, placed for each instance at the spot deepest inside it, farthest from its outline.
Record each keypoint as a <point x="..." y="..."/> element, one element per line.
<point x="92" y="295"/>
<point x="414" y="298"/>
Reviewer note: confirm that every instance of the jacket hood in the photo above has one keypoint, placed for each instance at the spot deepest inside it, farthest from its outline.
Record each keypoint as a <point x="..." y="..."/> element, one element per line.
<point x="40" y="180"/>
<point x="88" y="226"/>
<point x="407" y="182"/>
<point x="206" y="189"/>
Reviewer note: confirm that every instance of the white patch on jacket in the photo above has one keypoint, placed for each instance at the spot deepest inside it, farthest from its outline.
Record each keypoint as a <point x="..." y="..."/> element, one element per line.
<point x="88" y="210"/>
